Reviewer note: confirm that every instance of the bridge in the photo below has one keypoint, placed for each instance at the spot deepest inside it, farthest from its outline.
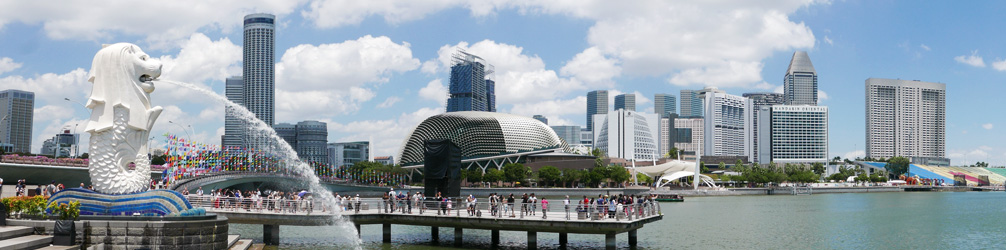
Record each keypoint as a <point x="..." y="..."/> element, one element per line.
<point x="34" y="173"/>
<point x="273" y="213"/>
<point x="247" y="180"/>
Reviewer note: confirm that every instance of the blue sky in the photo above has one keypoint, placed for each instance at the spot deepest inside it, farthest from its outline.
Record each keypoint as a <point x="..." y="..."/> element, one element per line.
<point x="375" y="69"/>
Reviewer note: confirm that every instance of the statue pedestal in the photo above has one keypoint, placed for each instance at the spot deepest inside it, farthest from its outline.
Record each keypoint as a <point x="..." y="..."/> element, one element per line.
<point x="159" y="202"/>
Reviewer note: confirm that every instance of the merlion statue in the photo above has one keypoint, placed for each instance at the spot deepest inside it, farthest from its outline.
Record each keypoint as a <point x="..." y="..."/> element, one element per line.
<point x="121" y="118"/>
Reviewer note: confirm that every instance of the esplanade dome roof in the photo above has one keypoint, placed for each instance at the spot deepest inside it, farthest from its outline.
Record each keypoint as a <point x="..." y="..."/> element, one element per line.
<point x="480" y="134"/>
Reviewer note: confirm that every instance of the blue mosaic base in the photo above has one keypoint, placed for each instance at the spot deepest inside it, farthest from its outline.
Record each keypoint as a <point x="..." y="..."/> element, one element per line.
<point x="148" y="203"/>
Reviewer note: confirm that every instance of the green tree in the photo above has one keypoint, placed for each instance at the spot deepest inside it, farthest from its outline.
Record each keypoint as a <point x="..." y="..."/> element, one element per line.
<point x="819" y="167"/>
<point x="549" y="174"/>
<point x="598" y="157"/>
<point x="673" y="153"/>
<point x="738" y="164"/>
<point x="897" y="165"/>
<point x="703" y="168"/>
<point x="642" y="178"/>
<point x="569" y="176"/>
<point x="618" y="174"/>
<point x="493" y="175"/>
<point x="155" y="160"/>
<point x="722" y="166"/>
<point x="514" y="172"/>
<point x="474" y="176"/>
<point x="84" y="156"/>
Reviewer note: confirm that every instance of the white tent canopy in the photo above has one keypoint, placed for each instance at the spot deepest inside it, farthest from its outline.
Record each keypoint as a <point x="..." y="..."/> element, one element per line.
<point x="683" y="174"/>
<point x="673" y="170"/>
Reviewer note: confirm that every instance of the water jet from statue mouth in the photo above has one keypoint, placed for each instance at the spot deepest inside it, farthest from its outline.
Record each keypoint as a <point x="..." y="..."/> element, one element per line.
<point x="146" y="78"/>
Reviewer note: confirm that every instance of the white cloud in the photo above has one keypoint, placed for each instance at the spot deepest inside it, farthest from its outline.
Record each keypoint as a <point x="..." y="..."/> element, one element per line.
<point x="336" y="78"/>
<point x="160" y="23"/>
<point x="987" y="126"/>
<point x="554" y="110"/>
<point x="593" y="68"/>
<point x="336" y="13"/>
<point x="924" y="47"/>
<point x="388" y="102"/>
<point x="49" y="113"/>
<point x="999" y="65"/>
<point x="435" y="91"/>
<point x="725" y="74"/>
<point x="8" y="65"/>
<point x="821" y="96"/>
<point x="386" y="136"/>
<point x="51" y="88"/>
<point x="974" y="59"/>
<point x="202" y="59"/>
<point x="520" y="78"/>
<point x="854" y="154"/>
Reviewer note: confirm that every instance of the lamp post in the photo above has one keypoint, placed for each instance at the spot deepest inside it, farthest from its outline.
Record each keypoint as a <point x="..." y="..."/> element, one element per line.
<point x="188" y="136"/>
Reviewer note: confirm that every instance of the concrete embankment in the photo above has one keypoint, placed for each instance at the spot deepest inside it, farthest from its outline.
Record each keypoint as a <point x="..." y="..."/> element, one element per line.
<point x="774" y="191"/>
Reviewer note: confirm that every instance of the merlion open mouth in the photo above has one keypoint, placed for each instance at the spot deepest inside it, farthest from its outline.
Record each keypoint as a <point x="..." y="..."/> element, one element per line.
<point x="146" y="78"/>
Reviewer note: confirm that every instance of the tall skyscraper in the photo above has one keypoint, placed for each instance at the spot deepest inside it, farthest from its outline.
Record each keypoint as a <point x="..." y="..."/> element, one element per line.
<point x="234" y="127"/>
<point x="626" y="102"/>
<point x="665" y="104"/>
<point x="472" y="86"/>
<point x="800" y="83"/>
<point x="17" y="111"/>
<point x="725" y="124"/>
<point x="541" y="118"/>
<point x="597" y="104"/>
<point x="259" y="72"/>
<point x="905" y="118"/>
<point x="691" y="103"/>
<point x="759" y="101"/>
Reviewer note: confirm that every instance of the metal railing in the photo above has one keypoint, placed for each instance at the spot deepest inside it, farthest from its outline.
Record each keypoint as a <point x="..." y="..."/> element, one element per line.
<point x="517" y="210"/>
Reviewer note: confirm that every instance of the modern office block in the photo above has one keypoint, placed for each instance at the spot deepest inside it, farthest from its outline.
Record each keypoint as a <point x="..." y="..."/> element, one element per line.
<point x="17" y="112"/>
<point x="688" y="136"/>
<point x="259" y="73"/>
<point x="234" y="127"/>
<point x="905" y="118"/>
<point x="665" y="104"/>
<point x="348" y="153"/>
<point x="541" y="118"/>
<point x="691" y="103"/>
<point x="569" y="134"/>
<point x="800" y="82"/>
<point x="626" y="102"/>
<point x="308" y="138"/>
<point x="759" y="101"/>
<point x="597" y="103"/>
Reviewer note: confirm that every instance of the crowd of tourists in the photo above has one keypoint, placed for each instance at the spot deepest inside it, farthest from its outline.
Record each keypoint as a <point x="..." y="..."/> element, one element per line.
<point x="22" y="189"/>
<point x="291" y="201"/>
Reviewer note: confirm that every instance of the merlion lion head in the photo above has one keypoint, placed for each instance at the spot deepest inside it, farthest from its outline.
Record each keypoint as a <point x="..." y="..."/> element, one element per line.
<point x="125" y="60"/>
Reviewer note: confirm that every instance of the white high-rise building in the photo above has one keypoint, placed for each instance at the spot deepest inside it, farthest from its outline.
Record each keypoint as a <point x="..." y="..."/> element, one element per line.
<point x="792" y="134"/>
<point x="905" y="118"/>
<point x="725" y="124"/>
<point x="259" y="71"/>
<point x="627" y="134"/>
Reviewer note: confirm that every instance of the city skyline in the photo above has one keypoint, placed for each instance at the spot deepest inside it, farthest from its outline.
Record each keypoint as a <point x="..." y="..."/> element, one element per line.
<point x="403" y="79"/>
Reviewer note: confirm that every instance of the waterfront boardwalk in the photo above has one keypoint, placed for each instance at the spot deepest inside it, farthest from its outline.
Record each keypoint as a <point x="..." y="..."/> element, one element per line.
<point x="628" y="220"/>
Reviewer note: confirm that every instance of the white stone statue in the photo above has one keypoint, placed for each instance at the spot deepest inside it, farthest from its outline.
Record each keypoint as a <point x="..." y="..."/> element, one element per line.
<point x="121" y="118"/>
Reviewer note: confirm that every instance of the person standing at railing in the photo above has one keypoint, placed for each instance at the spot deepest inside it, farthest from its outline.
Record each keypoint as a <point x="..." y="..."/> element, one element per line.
<point x="544" y="208"/>
<point x="523" y="205"/>
<point x="392" y="198"/>
<point x="509" y="205"/>
<point x="408" y="202"/>
<point x="534" y="203"/>
<point x="385" y="203"/>
<point x="565" y="205"/>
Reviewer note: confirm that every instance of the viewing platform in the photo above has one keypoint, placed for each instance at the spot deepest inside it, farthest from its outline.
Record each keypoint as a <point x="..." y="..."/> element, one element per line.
<point x="273" y="213"/>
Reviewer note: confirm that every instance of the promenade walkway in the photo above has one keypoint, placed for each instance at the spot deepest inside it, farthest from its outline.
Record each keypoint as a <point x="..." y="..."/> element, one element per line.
<point x="580" y="220"/>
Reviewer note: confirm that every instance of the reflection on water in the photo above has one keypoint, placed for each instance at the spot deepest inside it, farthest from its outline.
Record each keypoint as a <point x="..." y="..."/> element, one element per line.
<point x="931" y="220"/>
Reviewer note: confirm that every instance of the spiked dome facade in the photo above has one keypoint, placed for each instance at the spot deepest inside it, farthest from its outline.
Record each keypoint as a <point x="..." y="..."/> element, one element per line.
<point x="482" y="136"/>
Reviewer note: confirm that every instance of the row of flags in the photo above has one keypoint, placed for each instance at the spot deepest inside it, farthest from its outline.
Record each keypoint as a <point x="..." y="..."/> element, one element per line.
<point x="187" y="159"/>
